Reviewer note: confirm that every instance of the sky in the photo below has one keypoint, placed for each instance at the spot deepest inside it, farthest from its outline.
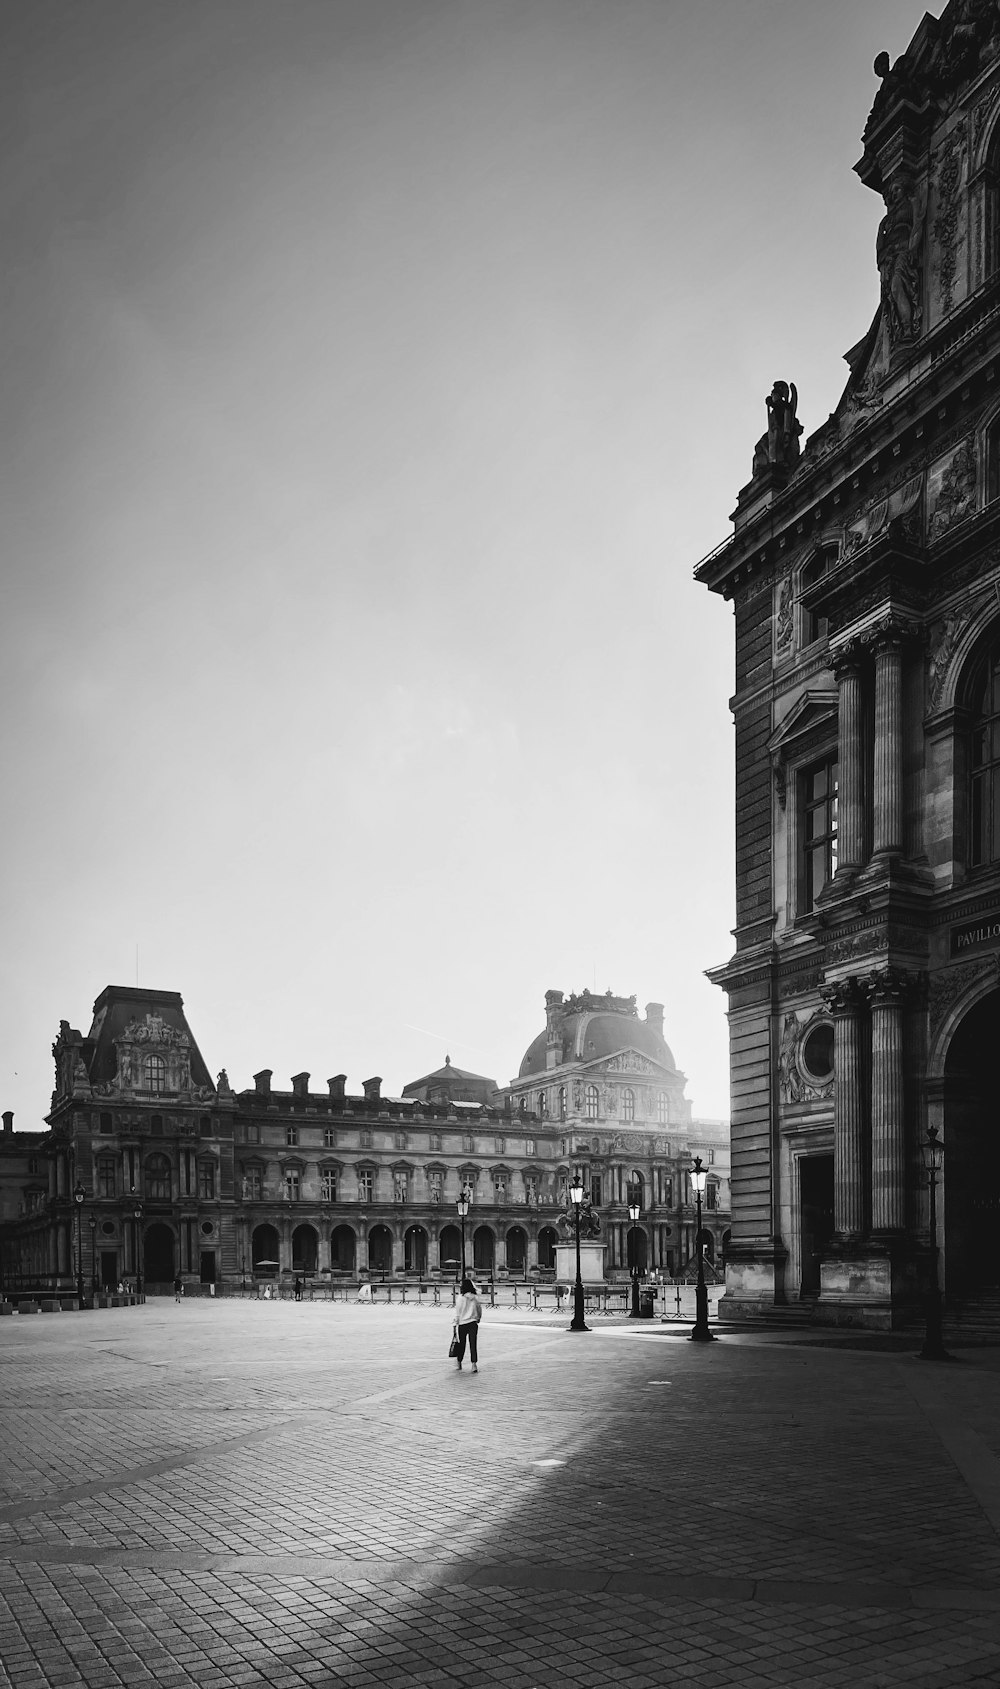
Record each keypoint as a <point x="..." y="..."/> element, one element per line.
<point x="375" y="374"/>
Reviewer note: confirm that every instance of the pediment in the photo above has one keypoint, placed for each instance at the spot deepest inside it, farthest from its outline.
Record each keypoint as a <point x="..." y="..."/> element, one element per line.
<point x="626" y="1061"/>
<point x="815" y="711"/>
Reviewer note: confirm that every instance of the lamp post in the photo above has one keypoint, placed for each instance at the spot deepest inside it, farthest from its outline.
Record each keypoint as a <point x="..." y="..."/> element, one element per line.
<point x="933" y="1349"/>
<point x="634" y="1210"/>
<point x="137" y="1220"/>
<point x="577" y="1323"/>
<point x="79" y="1197"/>
<point x="700" y="1333"/>
<point x="463" y="1209"/>
<point x="93" y="1254"/>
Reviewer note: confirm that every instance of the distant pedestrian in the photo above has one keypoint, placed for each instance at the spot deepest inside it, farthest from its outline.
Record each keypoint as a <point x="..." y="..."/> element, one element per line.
<point x="364" y="1292"/>
<point x="298" y="1290"/>
<point x="467" y="1317"/>
<point x="178" y="1288"/>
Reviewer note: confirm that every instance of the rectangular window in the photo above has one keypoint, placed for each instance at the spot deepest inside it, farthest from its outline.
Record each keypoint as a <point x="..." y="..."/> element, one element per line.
<point x="186" y="1162"/>
<point x="711" y="1195"/>
<point x="366" y="1185"/>
<point x="468" y="1144"/>
<point x="500" y="1146"/>
<point x="329" y="1137"/>
<point x="435" y="1185"/>
<point x="291" y="1135"/>
<point x="818" y="786"/>
<point x="595" y="1190"/>
<point x="400" y="1140"/>
<point x="710" y="1157"/>
<point x="531" y="1187"/>
<point x="253" y="1185"/>
<point x="400" y="1185"/>
<point x="530" y="1147"/>
<point x="253" y="1134"/>
<point x="105" y="1176"/>
<point x="206" y="1180"/>
<point x="500" y="1187"/>
<point x="365" y="1137"/>
<point x="435" y="1141"/>
<point x="328" y="1185"/>
<point x="291" y="1184"/>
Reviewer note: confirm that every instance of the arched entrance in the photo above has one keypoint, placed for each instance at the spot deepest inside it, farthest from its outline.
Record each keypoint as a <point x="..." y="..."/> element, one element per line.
<point x="305" y="1250"/>
<point x="482" y="1250"/>
<point x="517" y="1251"/>
<point x="450" y="1250"/>
<point x="636" y="1248"/>
<point x="380" y="1250"/>
<point x="264" y="1250"/>
<point x="342" y="1244"/>
<point x="158" y="1254"/>
<point x="971" y="1175"/>
<point x="548" y="1237"/>
<point x="415" y="1250"/>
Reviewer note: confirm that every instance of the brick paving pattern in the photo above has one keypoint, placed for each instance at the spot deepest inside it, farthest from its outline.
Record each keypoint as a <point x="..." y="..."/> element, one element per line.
<point x="229" y="1493"/>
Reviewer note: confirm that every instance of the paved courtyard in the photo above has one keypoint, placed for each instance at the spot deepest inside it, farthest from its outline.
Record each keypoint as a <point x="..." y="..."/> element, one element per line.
<point x="251" y="1493"/>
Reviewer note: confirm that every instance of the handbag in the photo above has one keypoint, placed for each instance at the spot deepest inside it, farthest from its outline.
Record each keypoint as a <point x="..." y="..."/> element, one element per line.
<point x="453" y="1350"/>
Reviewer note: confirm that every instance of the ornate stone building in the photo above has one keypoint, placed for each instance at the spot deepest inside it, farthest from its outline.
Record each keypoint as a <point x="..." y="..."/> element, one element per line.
<point x="610" y="1082"/>
<point x="182" y="1177"/>
<point x="864" y="571"/>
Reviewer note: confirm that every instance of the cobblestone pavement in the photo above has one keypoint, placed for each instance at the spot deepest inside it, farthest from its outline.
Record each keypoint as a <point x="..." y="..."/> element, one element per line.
<point x="251" y="1493"/>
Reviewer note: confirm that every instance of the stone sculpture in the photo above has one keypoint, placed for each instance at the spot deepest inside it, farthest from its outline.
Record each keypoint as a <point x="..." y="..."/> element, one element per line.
<point x="780" y="445"/>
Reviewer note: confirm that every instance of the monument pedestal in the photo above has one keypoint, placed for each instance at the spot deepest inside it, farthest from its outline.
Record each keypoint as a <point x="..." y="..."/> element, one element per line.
<point x="591" y="1262"/>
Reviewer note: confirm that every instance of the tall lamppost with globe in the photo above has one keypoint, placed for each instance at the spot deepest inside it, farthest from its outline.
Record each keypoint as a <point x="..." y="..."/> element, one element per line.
<point x="79" y="1197"/>
<point x="634" y="1210"/>
<point x="137" y="1217"/>
<point x="700" y="1333"/>
<point x="93" y="1254"/>
<point x="934" y="1349"/>
<point x="578" y="1323"/>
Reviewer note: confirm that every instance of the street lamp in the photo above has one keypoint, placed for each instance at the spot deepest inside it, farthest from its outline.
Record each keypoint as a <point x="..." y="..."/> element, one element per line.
<point x="578" y="1322"/>
<point x="463" y="1209"/>
<point x="701" y="1333"/>
<point x="79" y="1197"/>
<point x="137" y="1219"/>
<point x="933" y="1349"/>
<point x="634" y="1210"/>
<point x="93" y="1253"/>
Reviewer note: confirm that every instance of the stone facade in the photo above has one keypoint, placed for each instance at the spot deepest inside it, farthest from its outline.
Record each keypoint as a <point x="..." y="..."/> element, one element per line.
<point x="865" y="576"/>
<point x="185" y="1178"/>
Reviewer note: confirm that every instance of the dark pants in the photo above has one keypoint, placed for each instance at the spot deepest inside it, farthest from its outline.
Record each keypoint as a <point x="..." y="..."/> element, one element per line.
<point x="470" y="1331"/>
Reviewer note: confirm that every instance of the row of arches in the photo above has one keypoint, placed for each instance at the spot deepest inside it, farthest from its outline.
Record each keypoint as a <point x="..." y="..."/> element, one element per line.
<point x="481" y="1249"/>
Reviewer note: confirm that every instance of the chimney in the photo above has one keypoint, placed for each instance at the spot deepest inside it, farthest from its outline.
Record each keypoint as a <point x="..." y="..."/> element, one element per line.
<point x="8" y="1120"/>
<point x="300" y="1084"/>
<point x="654" y="1017"/>
<point x="373" y="1089"/>
<point x="262" y="1080"/>
<point x="337" y="1085"/>
<point x="553" y="1028"/>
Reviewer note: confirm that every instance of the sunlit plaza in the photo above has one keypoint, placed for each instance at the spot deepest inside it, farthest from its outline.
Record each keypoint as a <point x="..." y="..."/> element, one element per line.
<point x="263" y="1492"/>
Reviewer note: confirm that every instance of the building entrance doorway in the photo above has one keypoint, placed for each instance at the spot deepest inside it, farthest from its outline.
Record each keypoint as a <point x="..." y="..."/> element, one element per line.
<point x="971" y="1176"/>
<point x="109" y="1269"/>
<point x="207" y="1274"/>
<point x="816" y="1217"/>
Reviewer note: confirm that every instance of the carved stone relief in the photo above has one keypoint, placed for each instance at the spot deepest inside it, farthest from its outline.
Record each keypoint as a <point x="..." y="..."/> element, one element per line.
<point x="783" y="617"/>
<point x="629" y="1062"/>
<point x="795" y="1083"/>
<point x="951" y="489"/>
<point x="945" y="229"/>
<point x="945" y="987"/>
<point x="946" y="637"/>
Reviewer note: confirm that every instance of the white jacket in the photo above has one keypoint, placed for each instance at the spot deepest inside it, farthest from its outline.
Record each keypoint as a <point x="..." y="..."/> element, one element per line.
<point x="469" y="1310"/>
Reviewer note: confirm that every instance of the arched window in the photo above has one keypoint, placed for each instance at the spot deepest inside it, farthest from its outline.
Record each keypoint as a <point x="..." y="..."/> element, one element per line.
<point x="628" y="1104"/>
<point x="984" y="759"/>
<point x="542" y="1109"/>
<point x="158" y="1178"/>
<point x="662" y="1109"/>
<point x="154" y="1073"/>
<point x="813" y="626"/>
<point x="636" y="1187"/>
<point x="590" y="1100"/>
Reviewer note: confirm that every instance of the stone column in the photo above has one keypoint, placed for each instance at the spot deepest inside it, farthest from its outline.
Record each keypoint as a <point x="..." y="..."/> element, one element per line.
<point x="850" y="805"/>
<point x="844" y="1002"/>
<point x="885" y="994"/>
<point x="887" y="795"/>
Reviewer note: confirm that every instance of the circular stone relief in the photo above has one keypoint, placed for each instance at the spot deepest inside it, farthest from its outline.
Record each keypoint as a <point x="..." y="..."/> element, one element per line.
<point x="206" y="1226"/>
<point x="816" y="1055"/>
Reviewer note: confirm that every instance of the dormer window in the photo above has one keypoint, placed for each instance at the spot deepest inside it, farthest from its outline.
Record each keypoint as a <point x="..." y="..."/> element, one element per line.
<point x="154" y="1073"/>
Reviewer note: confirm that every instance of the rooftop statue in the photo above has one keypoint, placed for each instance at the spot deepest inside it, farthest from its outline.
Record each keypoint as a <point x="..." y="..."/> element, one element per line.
<point x="780" y="445"/>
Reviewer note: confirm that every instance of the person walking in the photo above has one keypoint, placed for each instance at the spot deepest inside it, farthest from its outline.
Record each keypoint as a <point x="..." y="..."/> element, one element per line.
<point x="467" y="1317"/>
<point x="298" y="1290"/>
<point x="177" y="1288"/>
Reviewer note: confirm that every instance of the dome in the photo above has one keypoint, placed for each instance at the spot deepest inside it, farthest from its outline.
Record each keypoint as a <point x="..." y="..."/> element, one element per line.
<point x="589" y="1027"/>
